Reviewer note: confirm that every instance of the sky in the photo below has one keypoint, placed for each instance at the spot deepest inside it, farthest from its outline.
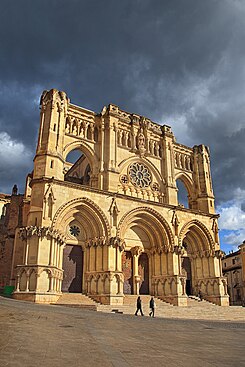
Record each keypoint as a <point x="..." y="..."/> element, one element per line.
<point x="177" y="62"/>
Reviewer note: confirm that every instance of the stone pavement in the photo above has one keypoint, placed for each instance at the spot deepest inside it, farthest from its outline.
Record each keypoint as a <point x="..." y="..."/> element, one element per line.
<point x="46" y="335"/>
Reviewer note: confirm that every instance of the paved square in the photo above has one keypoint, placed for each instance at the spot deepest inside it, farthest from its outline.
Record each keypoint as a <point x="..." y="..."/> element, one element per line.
<point x="48" y="336"/>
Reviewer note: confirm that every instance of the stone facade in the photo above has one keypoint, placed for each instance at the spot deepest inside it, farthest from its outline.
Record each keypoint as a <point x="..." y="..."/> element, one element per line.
<point x="110" y="224"/>
<point x="233" y="266"/>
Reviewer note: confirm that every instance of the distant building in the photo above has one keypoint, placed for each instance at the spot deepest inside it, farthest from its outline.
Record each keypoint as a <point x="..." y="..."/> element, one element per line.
<point x="10" y="219"/>
<point x="233" y="267"/>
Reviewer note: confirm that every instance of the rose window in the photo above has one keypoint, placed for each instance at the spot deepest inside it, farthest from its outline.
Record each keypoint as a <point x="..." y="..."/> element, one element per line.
<point x="139" y="175"/>
<point x="74" y="231"/>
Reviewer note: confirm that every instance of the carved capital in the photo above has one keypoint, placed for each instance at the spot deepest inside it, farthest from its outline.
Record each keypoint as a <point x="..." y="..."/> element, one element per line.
<point x="27" y="232"/>
<point x="136" y="251"/>
<point x="117" y="242"/>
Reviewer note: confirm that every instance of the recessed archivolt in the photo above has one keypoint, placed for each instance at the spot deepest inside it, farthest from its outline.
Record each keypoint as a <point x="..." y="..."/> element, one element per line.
<point x="152" y="223"/>
<point x="198" y="236"/>
<point x="94" y="220"/>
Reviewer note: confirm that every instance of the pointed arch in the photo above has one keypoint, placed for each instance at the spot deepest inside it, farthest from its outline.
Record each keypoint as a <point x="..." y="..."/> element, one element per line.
<point x="198" y="238"/>
<point x="86" y="212"/>
<point x="152" y="224"/>
<point x="187" y="181"/>
<point x="84" y="147"/>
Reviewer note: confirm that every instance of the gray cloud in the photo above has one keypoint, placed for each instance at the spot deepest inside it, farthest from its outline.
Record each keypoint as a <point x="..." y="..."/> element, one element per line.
<point x="177" y="62"/>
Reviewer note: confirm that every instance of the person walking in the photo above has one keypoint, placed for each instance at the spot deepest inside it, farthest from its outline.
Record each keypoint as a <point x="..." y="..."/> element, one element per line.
<point x="152" y="307"/>
<point x="139" y="307"/>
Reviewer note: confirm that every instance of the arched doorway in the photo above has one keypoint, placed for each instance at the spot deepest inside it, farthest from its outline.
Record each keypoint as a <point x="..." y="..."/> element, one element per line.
<point x="197" y="264"/>
<point x="148" y="238"/>
<point x="73" y="269"/>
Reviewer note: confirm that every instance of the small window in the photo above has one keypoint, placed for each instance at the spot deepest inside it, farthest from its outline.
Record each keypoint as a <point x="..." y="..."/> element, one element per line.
<point x="54" y="127"/>
<point x="225" y="265"/>
<point x="233" y="261"/>
<point x="51" y="164"/>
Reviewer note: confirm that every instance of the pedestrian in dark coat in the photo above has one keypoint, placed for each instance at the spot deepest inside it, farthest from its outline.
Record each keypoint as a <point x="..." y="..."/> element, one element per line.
<point x="152" y="307"/>
<point x="139" y="307"/>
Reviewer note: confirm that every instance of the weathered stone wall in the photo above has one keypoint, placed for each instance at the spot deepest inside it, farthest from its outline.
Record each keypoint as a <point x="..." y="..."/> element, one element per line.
<point x="9" y="222"/>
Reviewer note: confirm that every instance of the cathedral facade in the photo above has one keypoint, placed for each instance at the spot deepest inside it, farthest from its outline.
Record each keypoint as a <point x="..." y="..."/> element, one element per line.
<point x="110" y="224"/>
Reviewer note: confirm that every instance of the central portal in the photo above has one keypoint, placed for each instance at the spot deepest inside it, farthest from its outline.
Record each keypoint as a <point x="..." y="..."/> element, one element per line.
<point x="73" y="269"/>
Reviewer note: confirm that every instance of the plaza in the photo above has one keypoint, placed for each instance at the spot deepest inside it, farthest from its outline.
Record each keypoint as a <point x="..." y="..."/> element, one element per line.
<point x="47" y="335"/>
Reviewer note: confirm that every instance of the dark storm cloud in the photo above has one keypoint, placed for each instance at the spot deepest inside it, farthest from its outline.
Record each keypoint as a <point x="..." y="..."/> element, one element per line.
<point x="177" y="62"/>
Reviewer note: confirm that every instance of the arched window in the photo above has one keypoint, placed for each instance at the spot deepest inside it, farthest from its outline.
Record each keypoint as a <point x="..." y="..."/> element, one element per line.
<point x="183" y="197"/>
<point x="77" y="167"/>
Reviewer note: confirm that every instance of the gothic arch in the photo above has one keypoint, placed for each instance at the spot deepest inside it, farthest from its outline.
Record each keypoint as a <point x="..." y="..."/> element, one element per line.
<point x="90" y="213"/>
<point x="199" y="236"/>
<point x="152" y="223"/>
<point x="187" y="181"/>
<point x="84" y="147"/>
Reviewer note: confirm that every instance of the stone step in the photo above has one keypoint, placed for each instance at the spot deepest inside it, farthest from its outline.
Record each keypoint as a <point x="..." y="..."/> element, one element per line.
<point x="194" y="310"/>
<point x="75" y="299"/>
<point x="77" y="305"/>
<point x="216" y="313"/>
<point x="145" y="300"/>
<point x="193" y="301"/>
<point x="129" y="305"/>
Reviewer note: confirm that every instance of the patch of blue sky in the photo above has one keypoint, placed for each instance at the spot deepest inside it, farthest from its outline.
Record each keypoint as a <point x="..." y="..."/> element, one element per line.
<point x="229" y="240"/>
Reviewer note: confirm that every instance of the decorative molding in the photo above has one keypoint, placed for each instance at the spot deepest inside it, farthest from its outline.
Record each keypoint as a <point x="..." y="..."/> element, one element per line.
<point x="27" y="232"/>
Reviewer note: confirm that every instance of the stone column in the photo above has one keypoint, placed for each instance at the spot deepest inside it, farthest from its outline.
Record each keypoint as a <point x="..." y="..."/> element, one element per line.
<point x="18" y="283"/>
<point x="136" y="251"/>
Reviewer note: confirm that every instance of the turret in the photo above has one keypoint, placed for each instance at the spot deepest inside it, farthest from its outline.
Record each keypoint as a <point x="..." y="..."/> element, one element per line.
<point x="168" y="165"/>
<point x="48" y="161"/>
<point x="205" y="196"/>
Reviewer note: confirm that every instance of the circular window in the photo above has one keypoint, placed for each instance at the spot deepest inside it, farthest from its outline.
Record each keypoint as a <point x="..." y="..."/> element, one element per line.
<point x="139" y="175"/>
<point x="74" y="231"/>
<point x="124" y="179"/>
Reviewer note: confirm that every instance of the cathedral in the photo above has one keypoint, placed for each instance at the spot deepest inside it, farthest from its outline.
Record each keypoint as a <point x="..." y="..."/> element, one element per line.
<point x="110" y="224"/>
